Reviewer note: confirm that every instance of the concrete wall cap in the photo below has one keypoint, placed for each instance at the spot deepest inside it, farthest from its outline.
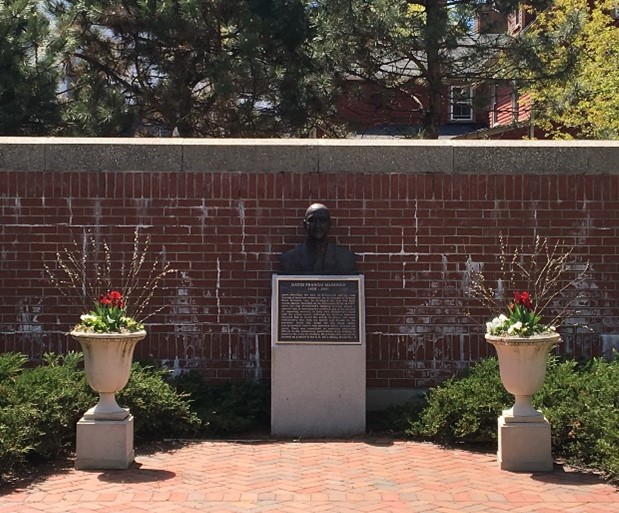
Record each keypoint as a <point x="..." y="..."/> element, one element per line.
<point x="309" y="155"/>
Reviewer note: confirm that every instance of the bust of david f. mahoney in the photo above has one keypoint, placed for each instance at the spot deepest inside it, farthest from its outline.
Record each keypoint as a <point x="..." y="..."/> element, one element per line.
<point x="317" y="255"/>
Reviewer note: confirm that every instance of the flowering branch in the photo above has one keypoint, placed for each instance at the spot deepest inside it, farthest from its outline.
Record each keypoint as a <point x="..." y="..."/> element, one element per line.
<point x="81" y="276"/>
<point x="544" y="275"/>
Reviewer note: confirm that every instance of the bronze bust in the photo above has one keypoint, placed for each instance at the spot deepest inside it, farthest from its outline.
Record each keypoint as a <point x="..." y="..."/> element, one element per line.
<point x="317" y="255"/>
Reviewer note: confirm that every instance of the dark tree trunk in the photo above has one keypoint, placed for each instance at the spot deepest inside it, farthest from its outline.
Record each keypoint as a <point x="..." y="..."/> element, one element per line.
<point x="436" y="25"/>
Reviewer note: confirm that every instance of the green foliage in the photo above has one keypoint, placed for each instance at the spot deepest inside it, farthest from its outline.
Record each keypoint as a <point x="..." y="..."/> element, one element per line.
<point x="464" y="409"/>
<point x="572" y="73"/>
<point x="17" y="431"/>
<point x="159" y="411"/>
<point x="216" y="68"/>
<point x="94" y="106"/>
<point x="395" y="420"/>
<point x="28" y="103"/>
<point x="109" y="316"/>
<point x="241" y="68"/>
<point x="10" y="366"/>
<point x="581" y="401"/>
<point x="524" y="314"/>
<point x="109" y="320"/>
<point x="53" y="398"/>
<point x="230" y="409"/>
<point x="39" y="407"/>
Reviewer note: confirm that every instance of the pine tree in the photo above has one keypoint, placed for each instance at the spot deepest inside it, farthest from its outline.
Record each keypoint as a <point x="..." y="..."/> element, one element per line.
<point x="28" y="84"/>
<point x="203" y="67"/>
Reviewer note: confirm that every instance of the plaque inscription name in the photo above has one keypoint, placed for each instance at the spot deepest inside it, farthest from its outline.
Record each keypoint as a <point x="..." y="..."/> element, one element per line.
<point x="319" y="309"/>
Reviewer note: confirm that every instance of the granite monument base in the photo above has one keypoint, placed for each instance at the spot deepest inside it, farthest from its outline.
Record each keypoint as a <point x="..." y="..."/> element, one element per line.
<point x="318" y="390"/>
<point x="104" y="444"/>
<point x="524" y="446"/>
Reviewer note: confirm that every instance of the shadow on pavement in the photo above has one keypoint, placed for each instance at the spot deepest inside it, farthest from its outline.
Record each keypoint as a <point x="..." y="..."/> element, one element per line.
<point x="135" y="474"/>
<point x="32" y="473"/>
<point x="563" y="474"/>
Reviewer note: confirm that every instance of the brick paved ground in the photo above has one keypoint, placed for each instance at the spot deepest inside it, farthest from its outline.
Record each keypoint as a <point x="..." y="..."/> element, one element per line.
<point x="289" y="477"/>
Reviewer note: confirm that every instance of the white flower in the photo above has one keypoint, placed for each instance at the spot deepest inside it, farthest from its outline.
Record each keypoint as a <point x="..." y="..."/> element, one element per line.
<point x="497" y="325"/>
<point x="514" y="328"/>
<point x="88" y="318"/>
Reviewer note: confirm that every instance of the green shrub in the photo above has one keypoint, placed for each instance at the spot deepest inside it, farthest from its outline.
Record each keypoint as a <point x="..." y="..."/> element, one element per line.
<point x="39" y="407"/>
<point x="230" y="409"/>
<point x="11" y="364"/>
<point x="395" y="420"/>
<point x="16" y="421"/>
<point x="158" y="409"/>
<point x="581" y="401"/>
<point x="58" y="394"/>
<point x="18" y="428"/>
<point x="464" y="409"/>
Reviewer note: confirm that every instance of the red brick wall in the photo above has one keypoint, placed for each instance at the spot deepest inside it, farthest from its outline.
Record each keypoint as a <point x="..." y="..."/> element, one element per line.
<point x="414" y="233"/>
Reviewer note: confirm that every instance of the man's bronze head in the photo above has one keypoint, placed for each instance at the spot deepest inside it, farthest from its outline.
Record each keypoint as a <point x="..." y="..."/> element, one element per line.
<point x="317" y="222"/>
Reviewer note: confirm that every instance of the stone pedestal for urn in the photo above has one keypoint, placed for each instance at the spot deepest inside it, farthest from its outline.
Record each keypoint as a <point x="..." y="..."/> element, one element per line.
<point x="524" y="432"/>
<point x="105" y="432"/>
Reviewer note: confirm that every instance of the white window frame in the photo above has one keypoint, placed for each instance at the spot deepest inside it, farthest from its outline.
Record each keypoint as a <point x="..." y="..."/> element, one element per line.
<point x="466" y="103"/>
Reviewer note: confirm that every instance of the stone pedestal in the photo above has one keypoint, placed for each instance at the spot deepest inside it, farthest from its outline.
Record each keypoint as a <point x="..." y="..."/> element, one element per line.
<point x="318" y="391"/>
<point x="318" y="356"/>
<point x="104" y="444"/>
<point x="524" y="444"/>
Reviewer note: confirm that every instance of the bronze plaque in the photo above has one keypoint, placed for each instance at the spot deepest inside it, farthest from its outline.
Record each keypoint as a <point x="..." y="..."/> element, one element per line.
<point x="318" y="309"/>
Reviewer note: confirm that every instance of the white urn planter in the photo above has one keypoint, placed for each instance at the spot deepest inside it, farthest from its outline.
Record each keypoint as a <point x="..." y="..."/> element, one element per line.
<point x="107" y="362"/>
<point x="524" y="432"/>
<point x="522" y="364"/>
<point x="105" y="432"/>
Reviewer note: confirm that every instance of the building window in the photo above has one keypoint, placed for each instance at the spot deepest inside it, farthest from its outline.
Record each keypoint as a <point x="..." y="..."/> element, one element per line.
<point x="461" y="103"/>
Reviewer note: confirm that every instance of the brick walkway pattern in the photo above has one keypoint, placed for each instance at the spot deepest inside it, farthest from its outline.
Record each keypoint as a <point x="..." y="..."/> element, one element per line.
<point x="291" y="477"/>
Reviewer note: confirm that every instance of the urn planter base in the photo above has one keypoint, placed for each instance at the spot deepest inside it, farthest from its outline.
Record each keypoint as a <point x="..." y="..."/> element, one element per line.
<point x="104" y="444"/>
<point x="105" y="432"/>
<point x="524" y="432"/>
<point x="99" y="413"/>
<point x="524" y="445"/>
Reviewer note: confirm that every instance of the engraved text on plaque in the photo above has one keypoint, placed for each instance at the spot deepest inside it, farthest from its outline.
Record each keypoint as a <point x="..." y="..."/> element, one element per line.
<point x="318" y="309"/>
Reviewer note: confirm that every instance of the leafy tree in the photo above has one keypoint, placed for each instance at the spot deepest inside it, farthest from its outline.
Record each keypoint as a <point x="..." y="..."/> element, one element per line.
<point x="28" y="86"/>
<point x="206" y="67"/>
<point x="574" y="79"/>
<point x="407" y="46"/>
